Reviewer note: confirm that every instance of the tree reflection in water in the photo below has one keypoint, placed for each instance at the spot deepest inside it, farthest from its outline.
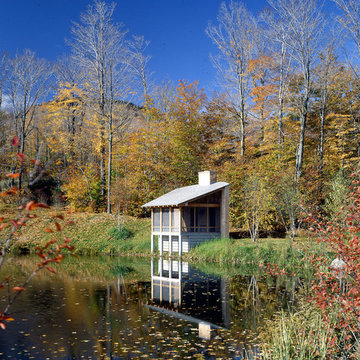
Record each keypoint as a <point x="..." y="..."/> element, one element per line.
<point x="112" y="309"/>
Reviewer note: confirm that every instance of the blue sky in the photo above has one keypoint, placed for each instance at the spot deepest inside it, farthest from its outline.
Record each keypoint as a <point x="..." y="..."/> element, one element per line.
<point x="175" y="28"/>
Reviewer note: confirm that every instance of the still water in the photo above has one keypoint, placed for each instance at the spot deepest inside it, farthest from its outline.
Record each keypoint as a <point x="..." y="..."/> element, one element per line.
<point x="125" y="308"/>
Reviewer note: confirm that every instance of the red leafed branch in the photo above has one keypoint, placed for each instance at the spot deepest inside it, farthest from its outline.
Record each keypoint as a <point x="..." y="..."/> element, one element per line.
<point x="53" y="252"/>
<point x="336" y="288"/>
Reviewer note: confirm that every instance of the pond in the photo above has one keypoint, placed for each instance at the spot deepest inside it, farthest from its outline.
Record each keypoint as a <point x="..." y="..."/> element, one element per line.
<point x="126" y="308"/>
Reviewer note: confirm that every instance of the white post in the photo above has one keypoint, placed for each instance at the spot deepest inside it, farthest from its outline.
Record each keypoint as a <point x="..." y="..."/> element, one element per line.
<point x="160" y="236"/>
<point x="180" y="273"/>
<point x="161" y="230"/>
<point x="170" y="282"/>
<point x="170" y="237"/>
<point x="152" y="220"/>
<point x="152" y="278"/>
<point x="224" y="212"/>
<point x="152" y="243"/>
<point x="161" y="281"/>
<point x="180" y="239"/>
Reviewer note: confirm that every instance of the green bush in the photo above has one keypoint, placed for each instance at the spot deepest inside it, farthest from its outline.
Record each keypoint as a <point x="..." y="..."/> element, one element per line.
<point x="120" y="234"/>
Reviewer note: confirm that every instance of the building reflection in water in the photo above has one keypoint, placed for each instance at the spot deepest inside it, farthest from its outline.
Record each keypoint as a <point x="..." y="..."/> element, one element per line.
<point x="184" y="292"/>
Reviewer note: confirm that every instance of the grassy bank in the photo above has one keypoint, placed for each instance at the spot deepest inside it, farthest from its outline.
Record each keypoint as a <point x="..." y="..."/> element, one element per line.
<point x="95" y="234"/>
<point x="91" y="234"/>
<point x="244" y="252"/>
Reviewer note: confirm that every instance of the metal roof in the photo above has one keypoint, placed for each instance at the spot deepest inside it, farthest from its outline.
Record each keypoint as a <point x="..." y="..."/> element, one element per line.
<point x="184" y="194"/>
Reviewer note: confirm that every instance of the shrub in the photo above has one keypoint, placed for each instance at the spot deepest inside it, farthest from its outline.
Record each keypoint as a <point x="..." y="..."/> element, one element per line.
<point x="121" y="233"/>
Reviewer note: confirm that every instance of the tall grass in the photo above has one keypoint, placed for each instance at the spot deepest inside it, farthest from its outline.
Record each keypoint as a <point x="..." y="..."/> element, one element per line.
<point x="296" y="336"/>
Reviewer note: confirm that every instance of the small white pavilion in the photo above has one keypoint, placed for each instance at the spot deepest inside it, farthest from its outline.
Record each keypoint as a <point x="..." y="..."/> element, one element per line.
<point x="188" y="216"/>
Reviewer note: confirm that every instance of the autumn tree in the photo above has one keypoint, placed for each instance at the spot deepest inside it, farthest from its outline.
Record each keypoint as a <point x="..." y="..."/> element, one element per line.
<point x="98" y="47"/>
<point x="234" y="35"/>
<point x="326" y="75"/>
<point x="276" y="33"/>
<point x="256" y="201"/>
<point x="67" y="125"/>
<point x="304" y="26"/>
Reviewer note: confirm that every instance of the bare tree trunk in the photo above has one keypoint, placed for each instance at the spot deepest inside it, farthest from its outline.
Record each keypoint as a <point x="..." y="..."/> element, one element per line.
<point x="102" y="104"/>
<point x="26" y="78"/>
<point x="281" y="94"/>
<point x="303" y="120"/>
<point x="235" y="36"/>
<point x="242" y="134"/>
<point x="322" y="138"/>
<point x="304" y="24"/>
<point x="99" y="49"/>
<point x="22" y="147"/>
<point x="109" y="169"/>
<point x="110" y="145"/>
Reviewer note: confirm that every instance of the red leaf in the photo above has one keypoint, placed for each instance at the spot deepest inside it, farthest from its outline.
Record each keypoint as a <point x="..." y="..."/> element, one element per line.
<point x="58" y="227"/>
<point x="49" y="243"/>
<point x="15" y="141"/>
<point x="48" y="230"/>
<point x="2" y="226"/>
<point x="18" y="288"/>
<point x="51" y="269"/>
<point x="41" y="205"/>
<point x="13" y="175"/>
<point x="21" y="156"/>
<point x="30" y="205"/>
<point x="15" y="224"/>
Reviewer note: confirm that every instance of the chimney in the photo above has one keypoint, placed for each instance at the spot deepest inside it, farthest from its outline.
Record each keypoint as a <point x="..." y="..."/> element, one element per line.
<point x="207" y="177"/>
